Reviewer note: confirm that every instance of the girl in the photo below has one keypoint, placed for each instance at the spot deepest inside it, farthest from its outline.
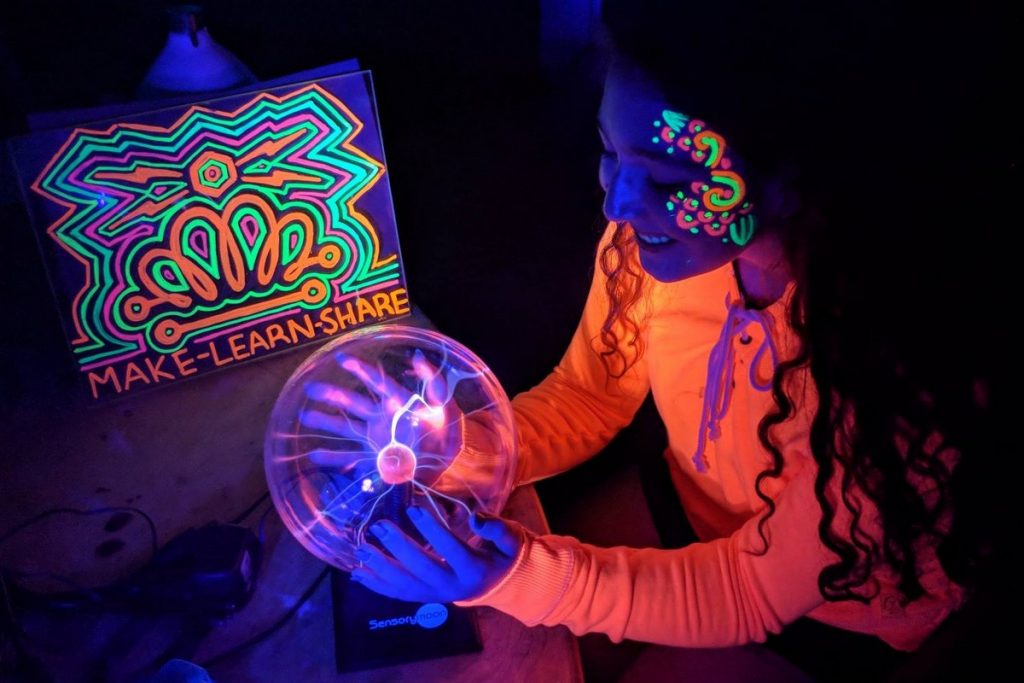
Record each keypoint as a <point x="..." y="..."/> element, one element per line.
<point x="747" y="210"/>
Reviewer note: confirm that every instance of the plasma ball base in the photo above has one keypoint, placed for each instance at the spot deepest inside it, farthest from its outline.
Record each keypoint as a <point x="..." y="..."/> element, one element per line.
<point x="372" y="631"/>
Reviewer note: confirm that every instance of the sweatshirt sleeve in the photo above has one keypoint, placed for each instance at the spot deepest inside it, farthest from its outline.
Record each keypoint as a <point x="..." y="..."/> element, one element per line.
<point x="715" y="594"/>
<point x="574" y="412"/>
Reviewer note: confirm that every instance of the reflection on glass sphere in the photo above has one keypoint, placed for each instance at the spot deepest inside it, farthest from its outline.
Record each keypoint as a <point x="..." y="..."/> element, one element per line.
<point x="381" y="419"/>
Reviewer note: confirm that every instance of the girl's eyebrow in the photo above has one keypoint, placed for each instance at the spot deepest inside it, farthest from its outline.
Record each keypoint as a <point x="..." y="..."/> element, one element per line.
<point x="658" y="155"/>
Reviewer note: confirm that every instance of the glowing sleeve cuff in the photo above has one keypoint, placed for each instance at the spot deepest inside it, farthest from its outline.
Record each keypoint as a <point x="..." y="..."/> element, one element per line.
<point x="535" y="585"/>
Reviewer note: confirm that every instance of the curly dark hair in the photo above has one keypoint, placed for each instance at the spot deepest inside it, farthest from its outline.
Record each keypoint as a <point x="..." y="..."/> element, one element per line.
<point x="624" y="286"/>
<point x="899" y="152"/>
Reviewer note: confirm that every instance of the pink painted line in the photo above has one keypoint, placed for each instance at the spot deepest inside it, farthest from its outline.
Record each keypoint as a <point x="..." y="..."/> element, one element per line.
<point x="376" y="288"/>
<point x="241" y="326"/>
<point x="200" y="138"/>
<point x="111" y="361"/>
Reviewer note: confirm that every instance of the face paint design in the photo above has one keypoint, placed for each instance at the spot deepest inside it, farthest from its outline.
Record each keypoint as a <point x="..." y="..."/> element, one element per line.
<point x="717" y="205"/>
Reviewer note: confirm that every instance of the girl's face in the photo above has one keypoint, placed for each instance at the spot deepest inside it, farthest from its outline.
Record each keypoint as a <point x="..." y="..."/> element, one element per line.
<point x="673" y="178"/>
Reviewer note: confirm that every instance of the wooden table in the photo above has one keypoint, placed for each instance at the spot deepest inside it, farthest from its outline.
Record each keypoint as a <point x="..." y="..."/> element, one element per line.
<point x="187" y="454"/>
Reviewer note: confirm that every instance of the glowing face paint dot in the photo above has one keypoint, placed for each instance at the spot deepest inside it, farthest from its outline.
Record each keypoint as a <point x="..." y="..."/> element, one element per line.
<point x="168" y="331"/>
<point x="312" y="291"/>
<point x="658" y="124"/>
<point x="707" y="214"/>
<point x="396" y="463"/>
<point x="704" y="187"/>
<point x="367" y="485"/>
<point x="694" y="230"/>
<point x="725" y="214"/>
<point x="671" y="136"/>
<point x="670" y="206"/>
<point x="680" y="195"/>
<point x="329" y="257"/>
<point x="655" y="139"/>
<point x="714" y="225"/>
<point x="699" y="154"/>
<point x="136" y="308"/>
<point x="689" y="218"/>
<point x="670" y="150"/>
<point x="687" y="141"/>
<point x="726" y="240"/>
<point x="697" y="129"/>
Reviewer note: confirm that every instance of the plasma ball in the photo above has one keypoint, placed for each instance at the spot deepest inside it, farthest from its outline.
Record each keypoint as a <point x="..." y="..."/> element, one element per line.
<point x="396" y="464"/>
<point x="380" y="420"/>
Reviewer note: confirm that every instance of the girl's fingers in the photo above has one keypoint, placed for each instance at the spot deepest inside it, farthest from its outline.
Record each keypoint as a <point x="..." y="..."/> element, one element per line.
<point x="342" y="399"/>
<point x="497" y="531"/>
<point x="333" y="424"/>
<point x="385" y="569"/>
<point x="390" y="393"/>
<point x="378" y="585"/>
<point x="445" y="543"/>
<point x="413" y="557"/>
<point x="435" y="388"/>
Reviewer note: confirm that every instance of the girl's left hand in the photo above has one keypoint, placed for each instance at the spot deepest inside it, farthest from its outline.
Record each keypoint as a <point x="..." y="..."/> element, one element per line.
<point x="453" y="571"/>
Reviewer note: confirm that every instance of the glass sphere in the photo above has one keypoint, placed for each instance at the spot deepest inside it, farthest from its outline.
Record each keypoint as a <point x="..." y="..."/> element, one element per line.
<point x="381" y="419"/>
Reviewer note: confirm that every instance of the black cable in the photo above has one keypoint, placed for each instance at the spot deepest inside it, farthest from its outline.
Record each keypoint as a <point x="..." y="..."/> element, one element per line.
<point x="263" y="518"/>
<point x="92" y="596"/>
<point x="16" y="631"/>
<point x="61" y="600"/>
<point x="9" y="620"/>
<point x="24" y="664"/>
<point x="249" y="510"/>
<point x="263" y="635"/>
<point x="95" y="594"/>
<point x="17" y="634"/>
<point x="81" y="596"/>
<point x="95" y="511"/>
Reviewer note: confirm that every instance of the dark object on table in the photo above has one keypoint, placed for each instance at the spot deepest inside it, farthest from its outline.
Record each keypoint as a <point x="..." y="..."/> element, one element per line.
<point x="372" y="631"/>
<point x="210" y="570"/>
<point x="180" y="671"/>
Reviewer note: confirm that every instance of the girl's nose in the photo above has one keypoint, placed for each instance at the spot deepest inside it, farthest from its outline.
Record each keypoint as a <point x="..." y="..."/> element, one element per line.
<point x="624" y="200"/>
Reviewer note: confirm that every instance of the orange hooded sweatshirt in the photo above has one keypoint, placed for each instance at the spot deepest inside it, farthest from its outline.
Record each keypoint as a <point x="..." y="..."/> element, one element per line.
<point x="698" y="341"/>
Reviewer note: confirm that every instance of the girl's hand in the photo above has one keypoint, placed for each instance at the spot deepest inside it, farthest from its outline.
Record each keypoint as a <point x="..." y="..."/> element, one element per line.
<point x="450" y="570"/>
<point x="383" y="412"/>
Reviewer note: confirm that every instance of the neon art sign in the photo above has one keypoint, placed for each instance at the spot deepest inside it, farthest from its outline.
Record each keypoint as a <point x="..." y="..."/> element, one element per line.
<point x="195" y="238"/>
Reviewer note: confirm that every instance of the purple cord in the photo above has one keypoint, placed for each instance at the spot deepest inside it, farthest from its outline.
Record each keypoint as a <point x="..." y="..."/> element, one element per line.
<point x="718" y="386"/>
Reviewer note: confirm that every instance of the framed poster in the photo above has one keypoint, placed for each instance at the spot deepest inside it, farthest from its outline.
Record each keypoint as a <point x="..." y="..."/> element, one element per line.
<point x="192" y="238"/>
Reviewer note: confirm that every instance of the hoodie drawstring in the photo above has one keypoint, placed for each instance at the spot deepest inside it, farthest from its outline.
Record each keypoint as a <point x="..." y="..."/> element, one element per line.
<point x="718" y="386"/>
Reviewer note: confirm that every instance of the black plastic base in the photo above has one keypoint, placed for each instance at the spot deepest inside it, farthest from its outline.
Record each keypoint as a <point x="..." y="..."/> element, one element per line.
<point x="371" y="631"/>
